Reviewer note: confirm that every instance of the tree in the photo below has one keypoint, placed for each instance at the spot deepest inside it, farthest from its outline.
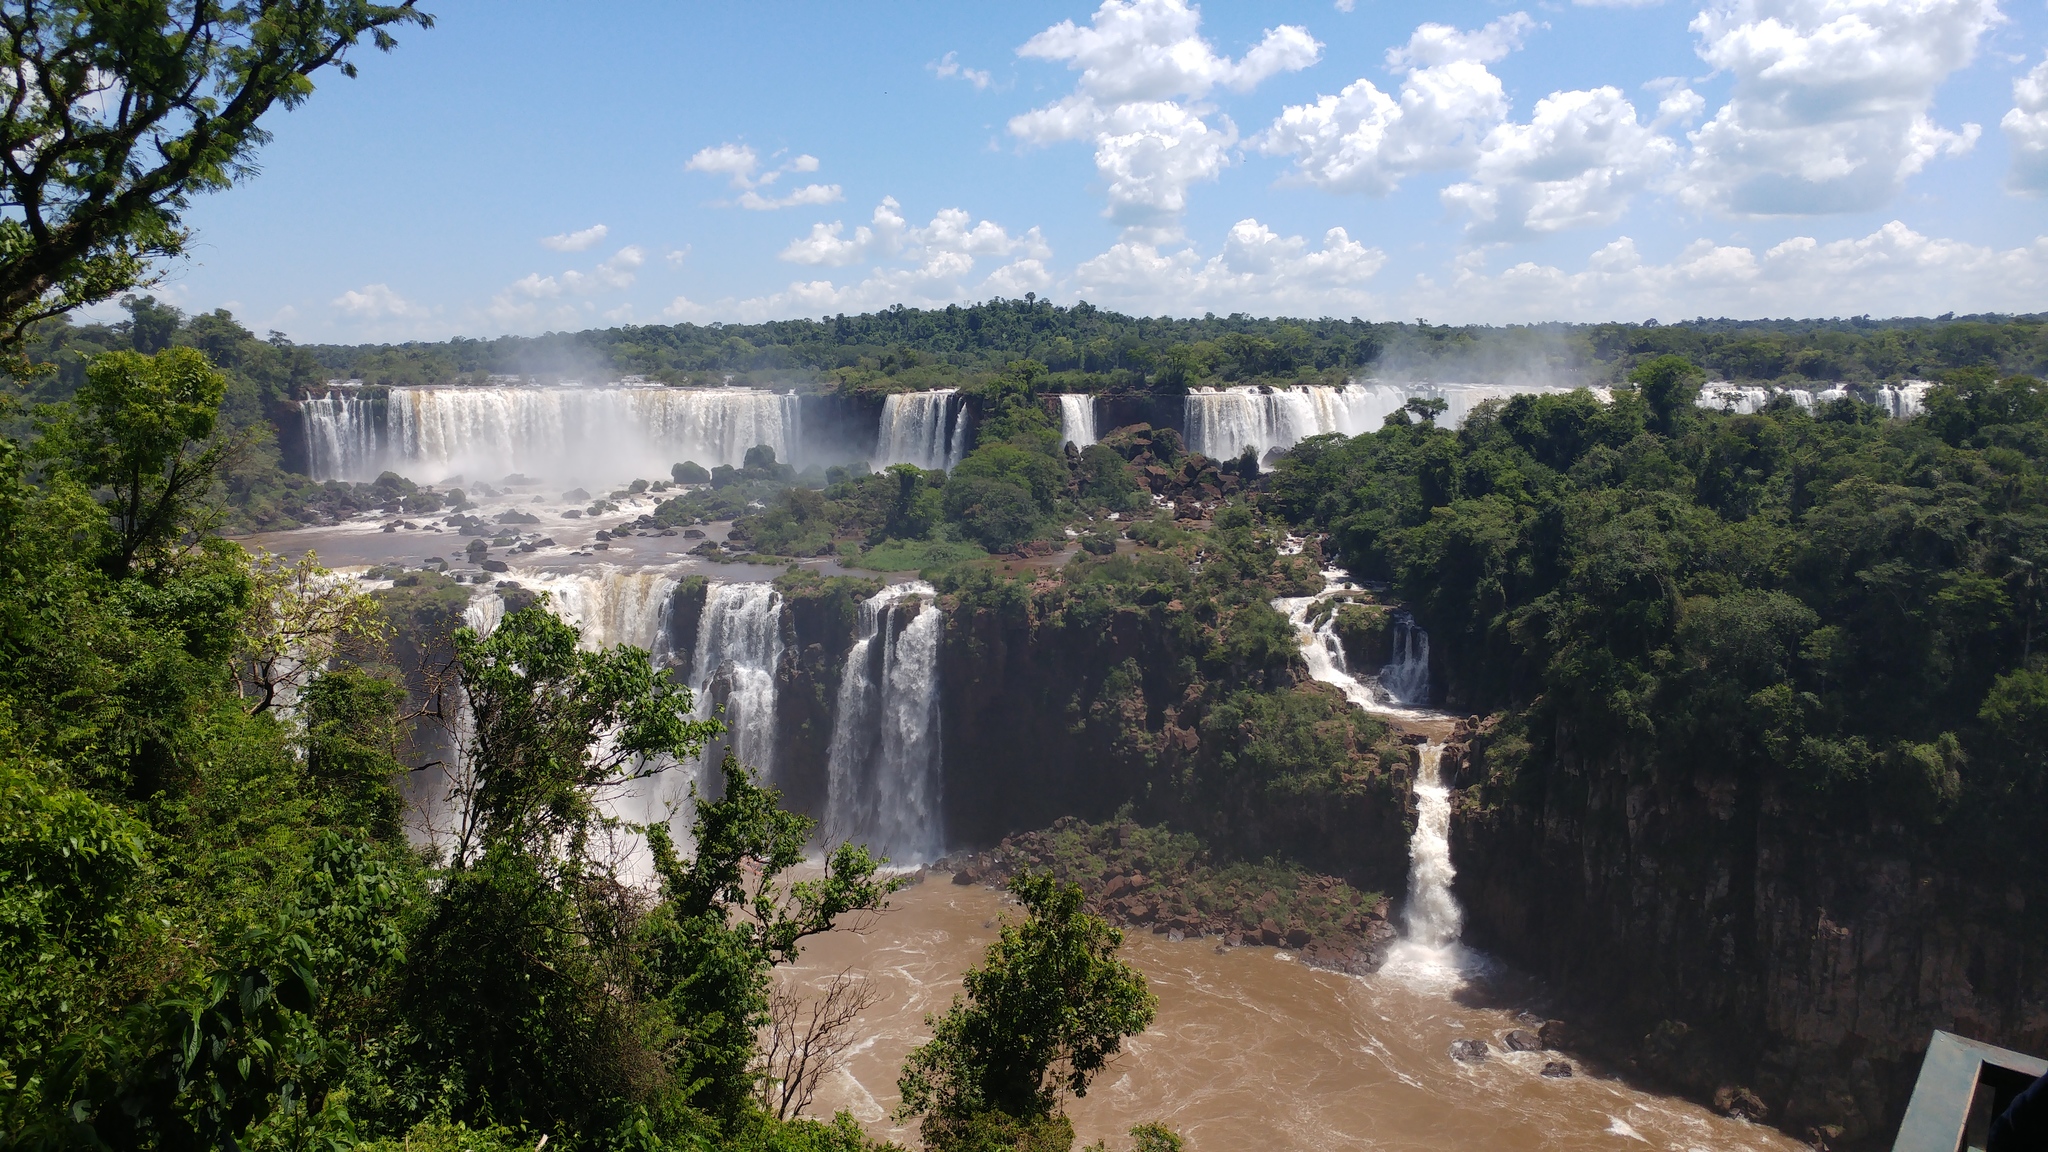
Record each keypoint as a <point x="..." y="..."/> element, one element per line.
<point x="299" y="616"/>
<point x="807" y="1041"/>
<point x="554" y="727"/>
<point x="142" y="430"/>
<point x="727" y="917"/>
<point x="1669" y="385"/>
<point x="1044" y="1013"/>
<point x="117" y="114"/>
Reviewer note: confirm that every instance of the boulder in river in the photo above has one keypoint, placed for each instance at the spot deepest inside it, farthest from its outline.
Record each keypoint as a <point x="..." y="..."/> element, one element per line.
<point x="1468" y="1050"/>
<point x="1522" y="1040"/>
<point x="1557" y="1069"/>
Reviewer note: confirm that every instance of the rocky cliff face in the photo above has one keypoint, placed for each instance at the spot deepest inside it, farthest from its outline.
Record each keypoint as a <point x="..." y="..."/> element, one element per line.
<point x="1054" y="708"/>
<point x="819" y="617"/>
<point x="1743" y="952"/>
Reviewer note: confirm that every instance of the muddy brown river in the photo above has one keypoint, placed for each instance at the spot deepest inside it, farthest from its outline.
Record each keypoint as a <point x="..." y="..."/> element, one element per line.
<point x="1254" y="1051"/>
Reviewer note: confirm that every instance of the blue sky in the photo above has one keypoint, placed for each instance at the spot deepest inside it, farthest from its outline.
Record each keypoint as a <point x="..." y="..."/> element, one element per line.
<point x="524" y="167"/>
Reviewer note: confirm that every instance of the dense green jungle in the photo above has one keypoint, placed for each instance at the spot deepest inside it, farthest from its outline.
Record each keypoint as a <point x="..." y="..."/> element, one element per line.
<point x="1745" y="758"/>
<point x="1811" y="625"/>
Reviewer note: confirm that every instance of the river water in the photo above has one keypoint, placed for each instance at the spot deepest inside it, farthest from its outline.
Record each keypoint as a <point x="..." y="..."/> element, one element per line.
<point x="1252" y="1050"/>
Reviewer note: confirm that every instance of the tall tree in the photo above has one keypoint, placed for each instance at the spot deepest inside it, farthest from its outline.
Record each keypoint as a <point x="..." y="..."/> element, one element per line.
<point x="116" y="112"/>
<point x="1049" y="1006"/>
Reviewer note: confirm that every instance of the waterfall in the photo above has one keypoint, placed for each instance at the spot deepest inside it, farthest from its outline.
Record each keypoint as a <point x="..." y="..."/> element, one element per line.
<point x="1077" y="420"/>
<point x="484" y="613"/>
<point x="608" y="431"/>
<point x="1434" y="919"/>
<point x="1400" y="688"/>
<point x="1739" y="399"/>
<point x="1904" y="400"/>
<point x="928" y="429"/>
<point x="611" y="606"/>
<point x="1406" y="676"/>
<point x="883" y="767"/>
<point x="1222" y="422"/>
<point x="739" y="645"/>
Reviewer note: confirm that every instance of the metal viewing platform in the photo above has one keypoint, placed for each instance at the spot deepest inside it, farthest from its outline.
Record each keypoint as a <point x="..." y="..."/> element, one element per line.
<point x="1962" y="1085"/>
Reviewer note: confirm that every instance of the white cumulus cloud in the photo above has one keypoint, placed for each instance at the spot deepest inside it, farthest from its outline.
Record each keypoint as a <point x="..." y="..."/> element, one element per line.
<point x="1257" y="269"/>
<point x="1144" y="69"/>
<point x="375" y="302"/>
<point x="1830" y="105"/>
<point x="949" y="66"/>
<point x="1575" y="164"/>
<point x="741" y="166"/>
<point x="1365" y="140"/>
<point x="576" y="241"/>
<point x="2026" y="129"/>
<point x="736" y="162"/>
<point x="1891" y="271"/>
<point x="808" y="194"/>
<point x="932" y="265"/>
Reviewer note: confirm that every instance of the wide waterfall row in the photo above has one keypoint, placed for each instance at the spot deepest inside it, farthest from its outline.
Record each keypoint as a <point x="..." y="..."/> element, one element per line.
<point x="608" y="432"/>
<point x="883" y="773"/>
<point x="928" y="429"/>
<point x="882" y="776"/>
<point x="1901" y="401"/>
<point x="1077" y="420"/>
<point x="1221" y="423"/>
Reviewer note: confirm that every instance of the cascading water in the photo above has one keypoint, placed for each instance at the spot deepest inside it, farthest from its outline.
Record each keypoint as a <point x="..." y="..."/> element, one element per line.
<point x="883" y="767"/>
<point x="1434" y="918"/>
<point x="564" y="431"/>
<point x="1400" y="688"/>
<point x="1406" y="676"/>
<point x="1222" y="422"/>
<point x="928" y="429"/>
<point x="611" y="606"/>
<point x="1429" y="957"/>
<point x="1077" y="420"/>
<point x="739" y="645"/>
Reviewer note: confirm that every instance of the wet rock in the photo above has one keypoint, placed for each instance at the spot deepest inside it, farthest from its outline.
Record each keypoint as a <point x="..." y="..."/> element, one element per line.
<point x="1557" y="1069"/>
<point x="1522" y="1040"/>
<point x="495" y="566"/>
<point x="1270" y="934"/>
<point x="1297" y="937"/>
<point x="1735" y="1100"/>
<point x="1469" y="1051"/>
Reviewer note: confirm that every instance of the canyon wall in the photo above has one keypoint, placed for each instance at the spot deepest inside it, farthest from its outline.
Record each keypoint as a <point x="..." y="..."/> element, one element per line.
<point x="1725" y="940"/>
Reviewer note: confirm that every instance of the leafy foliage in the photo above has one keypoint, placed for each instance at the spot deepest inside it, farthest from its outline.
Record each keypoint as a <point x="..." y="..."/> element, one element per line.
<point x="1835" y="606"/>
<point x="1048" y="1008"/>
<point x="96" y="186"/>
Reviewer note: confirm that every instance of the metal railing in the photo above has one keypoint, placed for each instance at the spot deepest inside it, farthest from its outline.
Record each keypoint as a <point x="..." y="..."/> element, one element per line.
<point x="1963" y="1084"/>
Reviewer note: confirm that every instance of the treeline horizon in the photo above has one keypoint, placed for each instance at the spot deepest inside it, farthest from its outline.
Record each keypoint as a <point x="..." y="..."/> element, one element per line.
<point x="1086" y="348"/>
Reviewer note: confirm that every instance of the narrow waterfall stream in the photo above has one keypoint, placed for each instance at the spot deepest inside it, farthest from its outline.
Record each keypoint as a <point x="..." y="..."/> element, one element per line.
<point x="1429" y="954"/>
<point x="883" y="768"/>
<point x="739" y="644"/>
<point x="1434" y="918"/>
<point x="1077" y="419"/>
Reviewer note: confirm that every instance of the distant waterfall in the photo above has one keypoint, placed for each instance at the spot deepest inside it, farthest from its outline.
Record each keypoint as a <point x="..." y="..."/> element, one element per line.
<point x="739" y="644"/>
<point x="610" y="431"/>
<point x="883" y="768"/>
<point x="1434" y="919"/>
<point x="928" y="429"/>
<point x="1902" y="401"/>
<point x="1400" y="688"/>
<point x="1221" y="423"/>
<point x="1406" y="676"/>
<point x="1077" y="420"/>
<point x="611" y="606"/>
